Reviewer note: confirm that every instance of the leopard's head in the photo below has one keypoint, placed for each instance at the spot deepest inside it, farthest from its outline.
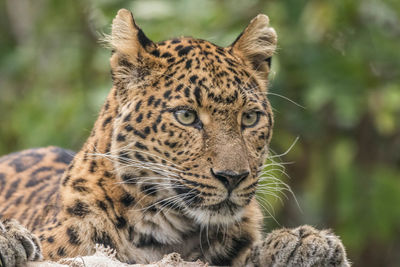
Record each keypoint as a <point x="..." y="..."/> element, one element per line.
<point x="194" y="122"/>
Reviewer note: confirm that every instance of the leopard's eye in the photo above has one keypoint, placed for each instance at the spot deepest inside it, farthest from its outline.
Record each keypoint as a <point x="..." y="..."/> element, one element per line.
<point x="186" y="117"/>
<point x="250" y="119"/>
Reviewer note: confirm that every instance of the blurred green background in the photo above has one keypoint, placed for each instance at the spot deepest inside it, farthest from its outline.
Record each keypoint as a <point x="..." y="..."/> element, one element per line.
<point x="340" y="60"/>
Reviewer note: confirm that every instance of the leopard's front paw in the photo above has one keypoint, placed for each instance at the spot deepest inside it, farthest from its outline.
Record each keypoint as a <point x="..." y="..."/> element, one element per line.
<point x="302" y="246"/>
<point x="17" y="244"/>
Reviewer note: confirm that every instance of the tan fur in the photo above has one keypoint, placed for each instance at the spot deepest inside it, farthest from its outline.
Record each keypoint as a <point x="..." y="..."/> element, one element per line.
<point x="257" y="43"/>
<point x="147" y="184"/>
<point x="258" y="38"/>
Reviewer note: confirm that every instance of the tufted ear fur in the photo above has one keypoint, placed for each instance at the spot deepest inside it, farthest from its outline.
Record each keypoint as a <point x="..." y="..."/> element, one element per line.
<point x="134" y="59"/>
<point x="257" y="44"/>
<point x="127" y="37"/>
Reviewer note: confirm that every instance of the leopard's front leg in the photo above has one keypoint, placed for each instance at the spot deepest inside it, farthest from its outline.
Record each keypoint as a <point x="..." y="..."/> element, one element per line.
<point x="302" y="246"/>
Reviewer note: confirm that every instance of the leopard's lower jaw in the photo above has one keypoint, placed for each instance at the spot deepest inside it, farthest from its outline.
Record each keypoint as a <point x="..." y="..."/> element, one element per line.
<point x="223" y="217"/>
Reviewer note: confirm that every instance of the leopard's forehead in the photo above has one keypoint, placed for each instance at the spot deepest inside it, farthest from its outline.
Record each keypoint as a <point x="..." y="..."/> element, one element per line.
<point x="181" y="47"/>
<point x="203" y="57"/>
<point x="200" y="70"/>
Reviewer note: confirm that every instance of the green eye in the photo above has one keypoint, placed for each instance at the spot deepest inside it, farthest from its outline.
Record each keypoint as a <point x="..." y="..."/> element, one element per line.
<point x="249" y="119"/>
<point x="186" y="117"/>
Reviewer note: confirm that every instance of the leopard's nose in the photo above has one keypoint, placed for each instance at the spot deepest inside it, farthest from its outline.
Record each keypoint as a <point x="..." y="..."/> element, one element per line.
<point x="229" y="178"/>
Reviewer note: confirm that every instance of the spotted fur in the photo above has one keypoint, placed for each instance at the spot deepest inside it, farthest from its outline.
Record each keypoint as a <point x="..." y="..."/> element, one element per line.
<point x="146" y="184"/>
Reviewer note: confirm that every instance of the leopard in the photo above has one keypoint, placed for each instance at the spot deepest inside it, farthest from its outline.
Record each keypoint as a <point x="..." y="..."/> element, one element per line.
<point x="172" y="163"/>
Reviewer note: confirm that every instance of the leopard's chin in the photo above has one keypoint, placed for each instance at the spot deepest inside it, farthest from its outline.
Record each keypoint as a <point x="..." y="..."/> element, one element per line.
<point x="223" y="213"/>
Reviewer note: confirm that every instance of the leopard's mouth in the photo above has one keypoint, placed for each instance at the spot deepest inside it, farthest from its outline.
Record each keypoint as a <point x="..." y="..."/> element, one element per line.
<point x="210" y="204"/>
<point x="224" y="204"/>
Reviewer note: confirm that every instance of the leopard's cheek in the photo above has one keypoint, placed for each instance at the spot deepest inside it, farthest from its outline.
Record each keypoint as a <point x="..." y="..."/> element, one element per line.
<point x="180" y="144"/>
<point x="257" y="143"/>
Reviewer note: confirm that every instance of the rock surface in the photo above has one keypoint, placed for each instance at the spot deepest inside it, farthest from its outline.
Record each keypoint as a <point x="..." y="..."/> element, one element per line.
<point x="105" y="257"/>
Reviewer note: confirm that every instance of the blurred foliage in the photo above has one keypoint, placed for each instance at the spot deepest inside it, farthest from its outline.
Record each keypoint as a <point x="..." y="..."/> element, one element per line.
<point x="338" y="59"/>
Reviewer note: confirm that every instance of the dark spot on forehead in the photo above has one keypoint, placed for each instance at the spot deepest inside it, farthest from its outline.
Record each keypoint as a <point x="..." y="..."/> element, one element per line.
<point x="187" y="92"/>
<point x="166" y="54"/>
<point x="197" y="95"/>
<point x="188" y="64"/>
<point x="155" y="52"/>
<point x="220" y="51"/>
<point x="137" y="107"/>
<point x="193" y="78"/>
<point x="127" y="117"/>
<point x="184" y="51"/>
<point x="167" y="94"/>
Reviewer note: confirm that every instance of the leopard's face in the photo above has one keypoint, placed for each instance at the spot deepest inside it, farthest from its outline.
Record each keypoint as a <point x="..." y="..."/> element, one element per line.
<point x="193" y="125"/>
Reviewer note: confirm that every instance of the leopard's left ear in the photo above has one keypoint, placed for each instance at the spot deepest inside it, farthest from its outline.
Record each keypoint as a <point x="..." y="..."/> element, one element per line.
<point x="256" y="44"/>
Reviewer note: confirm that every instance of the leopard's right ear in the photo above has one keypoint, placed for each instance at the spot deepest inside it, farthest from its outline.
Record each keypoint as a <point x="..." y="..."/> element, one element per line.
<point x="134" y="57"/>
<point x="126" y="37"/>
